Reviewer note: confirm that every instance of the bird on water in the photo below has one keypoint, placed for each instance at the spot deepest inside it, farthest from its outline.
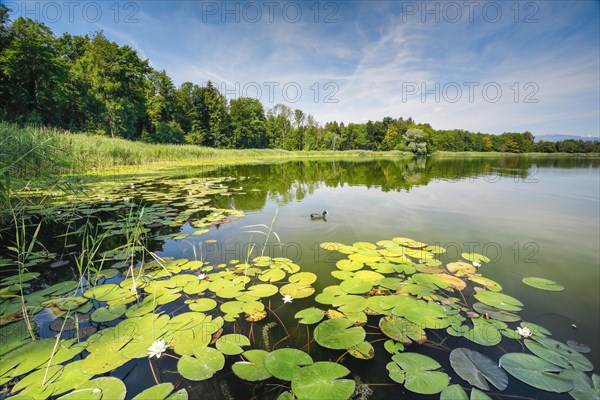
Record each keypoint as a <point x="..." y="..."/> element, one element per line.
<point x="318" y="216"/>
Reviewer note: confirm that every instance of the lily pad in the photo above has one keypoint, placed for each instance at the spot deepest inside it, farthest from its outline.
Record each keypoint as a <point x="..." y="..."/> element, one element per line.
<point x="310" y="315"/>
<point x="231" y="344"/>
<point x="356" y="286"/>
<point x="110" y="387"/>
<point x="402" y="330"/>
<point x="296" y="290"/>
<point x="478" y="369"/>
<point x="535" y="372"/>
<point x="203" y="365"/>
<point x="321" y="380"/>
<point x="338" y="334"/>
<point x="420" y="376"/>
<point x="105" y="314"/>
<point x="584" y="388"/>
<point x="157" y="392"/>
<point x="558" y="353"/>
<point x="543" y="284"/>
<point x="499" y="300"/>
<point x="254" y="369"/>
<point x="283" y="363"/>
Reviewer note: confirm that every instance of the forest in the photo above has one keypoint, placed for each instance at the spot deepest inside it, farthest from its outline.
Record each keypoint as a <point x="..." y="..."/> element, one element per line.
<point x="91" y="84"/>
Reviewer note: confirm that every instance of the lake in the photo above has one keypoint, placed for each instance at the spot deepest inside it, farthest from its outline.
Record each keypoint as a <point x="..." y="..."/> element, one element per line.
<point x="531" y="216"/>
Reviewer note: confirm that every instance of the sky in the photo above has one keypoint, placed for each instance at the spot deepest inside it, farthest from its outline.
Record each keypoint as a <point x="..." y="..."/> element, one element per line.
<point x="484" y="66"/>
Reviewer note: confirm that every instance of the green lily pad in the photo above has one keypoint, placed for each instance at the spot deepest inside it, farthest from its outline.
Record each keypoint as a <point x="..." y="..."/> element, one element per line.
<point x="499" y="300"/>
<point x="484" y="333"/>
<point x="111" y="387"/>
<point x="231" y="344"/>
<point x="310" y="315"/>
<point x="543" y="284"/>
<point x="254" y="369"/>
<point x="283" y="363"/>
<point x="478" y="369"/>
<point x="202" y="305"/>
<point x="402" y="330"/>
<point x="420" y="376"/>
<point x="303" y="278"/>
<point x="157" y="392"/>
<point x="321" y="380"/>
<point x="88" y="394"/>
<point x="558" y="353"/>
<point x="584" y="388"/>
<point x="356" y="286"/>
<point x="296" y="290"/>
<point x="453" y="392"/>
<point x="364" y="351"/>
<point x="272" y="275"/>
<point x="349" y="265"/>
<point x="393" y="347"/>
<point x="579" y="347"/>
<point x="475" y="257"/>
<point x="338" y="333"/>
<point x="495" y="313"/>
<point x="105" y="314"/>
<point x="203" y="365"/>
<point x="535" y="372"/>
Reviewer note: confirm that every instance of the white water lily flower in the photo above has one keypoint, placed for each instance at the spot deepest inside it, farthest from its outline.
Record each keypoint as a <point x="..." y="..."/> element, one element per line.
<point x="476" y="264"/>
<point x="157" y="348"/>
<point x="126" y="199"/>
<point x="287" y="298"/>
<point x="201" y="276"/>
<point x="525" y="332"/>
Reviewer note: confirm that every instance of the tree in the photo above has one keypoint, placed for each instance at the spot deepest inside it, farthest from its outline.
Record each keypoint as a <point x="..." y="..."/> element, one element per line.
<point x="392" y="139"/>
<point x="217" y="117"/>
<point x="248" y="123"/>
<point x="279" y="126"/>
<point x="415" y="141"/>
<point x="116" y="77"/>
<point x="33" y="73"/>
<point x="161" y="103"/>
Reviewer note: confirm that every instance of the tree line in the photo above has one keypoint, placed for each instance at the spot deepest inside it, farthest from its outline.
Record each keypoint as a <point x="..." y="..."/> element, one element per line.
<point x="91" y="84"/>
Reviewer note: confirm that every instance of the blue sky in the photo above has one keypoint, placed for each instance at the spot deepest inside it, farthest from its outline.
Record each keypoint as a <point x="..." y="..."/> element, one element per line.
<point x="482" y="66"/>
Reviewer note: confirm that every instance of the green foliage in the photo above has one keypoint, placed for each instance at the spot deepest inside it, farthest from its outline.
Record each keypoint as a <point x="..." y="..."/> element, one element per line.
<point x="91" y="84"/>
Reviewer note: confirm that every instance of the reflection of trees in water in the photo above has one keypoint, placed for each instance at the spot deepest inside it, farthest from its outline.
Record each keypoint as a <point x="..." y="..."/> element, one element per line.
<point x="294" y="180"/>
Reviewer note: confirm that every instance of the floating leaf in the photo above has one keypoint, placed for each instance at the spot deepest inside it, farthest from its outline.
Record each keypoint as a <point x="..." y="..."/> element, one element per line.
<point x="584" y="388"/>
<point x="484" y="332"/>
<point x="303" y="278"/>
<point x="231" y="344"/>
<point x="453" y="392"/>
<point x="475" y="257"/>
<point x="580" y="347"/>
<point x="356" y="286"/>
<point x="420" y="375"/>
<point x="254" y="369"/>
<point x="283" y="363"/>
<point x="110" y="387"/>
<point x="401" y="330"/>
<point x="364" y="351"/>
<point x="543" y="284"/>
<point x="338" y="334"/>
<point x="296" y="291"/>
<point x="157" y="392"/>
<point x="105" y="314"/>
<point x="478" y="369"/>
<point x="535" y="372"/>
<point x="393" y="347"/>
<point x="499" y="300"/>
<point x="321" y="380"/>
<point x="495" y="313"/>
<point x="558" y="353"/>
<point x="310" y="315"/>
<point x="203" y="365"/>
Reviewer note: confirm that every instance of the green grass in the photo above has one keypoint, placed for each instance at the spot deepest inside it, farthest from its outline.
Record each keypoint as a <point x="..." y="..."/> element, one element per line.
<point x="30" y="151"/>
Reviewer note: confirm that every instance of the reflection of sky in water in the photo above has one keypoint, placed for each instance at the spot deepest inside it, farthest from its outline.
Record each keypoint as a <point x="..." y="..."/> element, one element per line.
<point x="549" y="229"/>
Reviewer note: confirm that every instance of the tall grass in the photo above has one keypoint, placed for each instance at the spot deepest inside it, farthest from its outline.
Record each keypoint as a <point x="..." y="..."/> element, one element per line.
<point x="30" y="151"/>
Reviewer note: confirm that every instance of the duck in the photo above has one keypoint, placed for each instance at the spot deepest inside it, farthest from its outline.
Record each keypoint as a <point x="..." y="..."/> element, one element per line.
<point x="318" y="216"/>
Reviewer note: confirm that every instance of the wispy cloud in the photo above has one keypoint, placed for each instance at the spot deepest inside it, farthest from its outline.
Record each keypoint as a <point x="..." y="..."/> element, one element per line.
<point x="372" y="49"/>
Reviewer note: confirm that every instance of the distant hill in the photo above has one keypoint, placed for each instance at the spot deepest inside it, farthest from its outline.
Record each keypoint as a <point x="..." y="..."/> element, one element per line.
<point x="558" y="138"/>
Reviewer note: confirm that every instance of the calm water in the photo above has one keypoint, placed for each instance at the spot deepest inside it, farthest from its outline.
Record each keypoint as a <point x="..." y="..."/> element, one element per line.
<point x="532" y="217"/>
